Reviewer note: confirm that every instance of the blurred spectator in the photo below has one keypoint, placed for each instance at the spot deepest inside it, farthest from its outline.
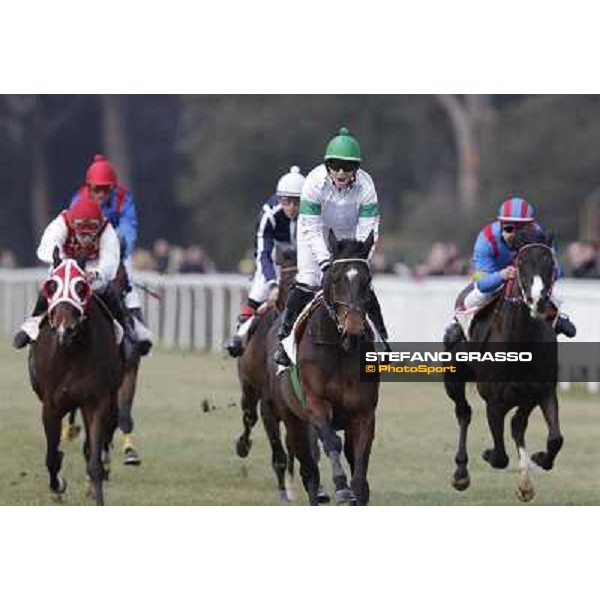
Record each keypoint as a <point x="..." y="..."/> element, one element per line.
<point x="443" y="259"/>
<point x="582" y="260"/>
<point x="195" y="260"/>
<point x="143" y="260"/>
<point x="247" y="263"/>
<point x="162" y="254"/>
<point x="7" y="259"/>
<point x="378" y="261"/>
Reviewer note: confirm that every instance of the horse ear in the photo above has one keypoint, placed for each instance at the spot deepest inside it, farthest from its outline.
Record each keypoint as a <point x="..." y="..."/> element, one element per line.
<point x="56" y="256"/>
<point x="332" y="241"/>
<point x="368" y="243"/>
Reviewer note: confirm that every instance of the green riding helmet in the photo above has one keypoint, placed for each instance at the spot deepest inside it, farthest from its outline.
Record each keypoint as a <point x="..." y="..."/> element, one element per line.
<point x="343" y="146"/>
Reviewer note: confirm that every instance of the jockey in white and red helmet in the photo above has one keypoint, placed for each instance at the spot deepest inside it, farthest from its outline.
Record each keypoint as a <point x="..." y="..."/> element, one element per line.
<point x="80" y="232"/>
<point x="276" y="228"/>
<point x="117" y="205"/>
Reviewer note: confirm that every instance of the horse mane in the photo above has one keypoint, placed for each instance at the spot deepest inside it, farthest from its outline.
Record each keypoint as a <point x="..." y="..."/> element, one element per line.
<point x="525" y="237"/>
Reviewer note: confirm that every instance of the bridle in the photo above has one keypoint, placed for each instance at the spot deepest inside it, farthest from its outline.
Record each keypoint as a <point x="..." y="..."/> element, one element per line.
<point x="334" y="304"/>
<point x="546" y="292"/>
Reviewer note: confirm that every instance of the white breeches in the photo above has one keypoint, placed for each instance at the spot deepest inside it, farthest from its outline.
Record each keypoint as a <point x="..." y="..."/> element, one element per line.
<point x="132" y="299"/>
<point x="309" y="273"/>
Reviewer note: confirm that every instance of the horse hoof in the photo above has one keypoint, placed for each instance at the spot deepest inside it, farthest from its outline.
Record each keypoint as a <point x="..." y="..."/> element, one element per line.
<point x="322" y="496"/>
<point x="497" y="462"/>
<point x="131" y="458"/>
<point x="61" y="485"/>
<point x="242" y="447"/>
<point x="345" y="496"/>
<point x="541" y="460"/>
<point x="525" y="493"/>
<point x="70" y="433"/>
<point x="283" y="497"/>
<point x="460" y="484"/>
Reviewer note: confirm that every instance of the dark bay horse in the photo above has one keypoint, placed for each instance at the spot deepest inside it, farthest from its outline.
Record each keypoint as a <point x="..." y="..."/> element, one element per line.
<point x="518" y="315"/>
<point x="328" y="359"/>
<point x="253" y="377"/>
<point x="127" y="389"/>
<point x="75" y="363"/>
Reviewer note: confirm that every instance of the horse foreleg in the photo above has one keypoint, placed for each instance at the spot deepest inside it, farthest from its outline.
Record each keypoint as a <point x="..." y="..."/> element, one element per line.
<point x="362" y="433"/>
<point x="125" y="420"/>
<point x="456" y="390"/>
<point x="249" y="403"/>
<point x="555" y="439"/>
<point x="496" y="456"/>
<point x="518" y="425"/>
<point x="332" y="445"/>
<point x="99" y="421"/>
<point x="278" y="455"/>
<point x="298" y="438"/>
<point x="52" y="426"/>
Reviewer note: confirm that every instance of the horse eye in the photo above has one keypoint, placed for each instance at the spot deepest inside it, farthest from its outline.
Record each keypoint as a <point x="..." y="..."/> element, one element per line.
<point x="50" y="288"/>
<point x="81" y="289"/>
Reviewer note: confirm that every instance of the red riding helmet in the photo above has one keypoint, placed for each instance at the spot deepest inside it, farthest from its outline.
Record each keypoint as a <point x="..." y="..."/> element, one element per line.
<point x="85" y="216"/>
<point x="101" y="172"/>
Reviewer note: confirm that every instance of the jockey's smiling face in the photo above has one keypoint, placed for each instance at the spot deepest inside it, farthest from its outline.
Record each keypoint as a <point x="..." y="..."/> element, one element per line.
<point x="290" y="206"/>
<point x="100" y="193"/>
<point x="342" y="172"/>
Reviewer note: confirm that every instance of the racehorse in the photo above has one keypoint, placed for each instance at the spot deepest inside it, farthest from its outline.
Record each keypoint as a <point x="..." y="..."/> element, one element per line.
<point x="128" y="387"/>
<point x="518" y="315"/>
<point x="328" y="359"/>
<point x="253" y="377"/>
<point x="127" y="390"/>
<point x="75" y="363"/>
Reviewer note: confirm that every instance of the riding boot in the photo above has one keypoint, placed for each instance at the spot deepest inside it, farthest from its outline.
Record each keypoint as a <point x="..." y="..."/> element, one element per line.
<point x="235" y="345"/>
<point x="114" y="305"/>
<point x="453" y="335"/>
<point x="22" y="337"/>
<point x="374" y="312"/>
<point x="564" y="325"/>
<point x="142" y="335"/>
<point x="298" y="298"/>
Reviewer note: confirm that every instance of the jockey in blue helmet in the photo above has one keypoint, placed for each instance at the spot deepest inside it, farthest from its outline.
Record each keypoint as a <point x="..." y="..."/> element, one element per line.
<point x="493" y="257"/>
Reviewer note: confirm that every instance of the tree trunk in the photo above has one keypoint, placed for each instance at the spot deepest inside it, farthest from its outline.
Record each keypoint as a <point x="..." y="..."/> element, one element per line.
<point x="114" y="136"/>
<point x="464" y="123"/>
<point x="40" y="194"/>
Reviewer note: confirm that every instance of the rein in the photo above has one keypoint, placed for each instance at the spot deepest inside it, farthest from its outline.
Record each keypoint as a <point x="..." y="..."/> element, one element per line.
<point x="522" y="297"/>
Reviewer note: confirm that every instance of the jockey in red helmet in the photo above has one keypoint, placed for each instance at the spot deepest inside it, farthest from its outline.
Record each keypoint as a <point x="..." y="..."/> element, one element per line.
<point x="117" y="205"/>
<point x="80" y="232"/>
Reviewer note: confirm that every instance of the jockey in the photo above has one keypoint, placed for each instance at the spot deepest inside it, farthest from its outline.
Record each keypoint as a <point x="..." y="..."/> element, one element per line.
<point x="337" y="195"/>
<point x="116" y="203"/>
<point x="493" y="255"/>
<point x="79" y="232"/>
<point x="276" y="229"/>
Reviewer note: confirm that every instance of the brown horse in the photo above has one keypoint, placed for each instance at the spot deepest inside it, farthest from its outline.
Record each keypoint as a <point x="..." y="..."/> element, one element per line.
<point x="517" y="316"/>
<point x="76" y="363"/>
<point x="127" y="390"/>
<point x="253" y="377"/>
<point x="328" y="359"/>
<point x="128" y="387"/>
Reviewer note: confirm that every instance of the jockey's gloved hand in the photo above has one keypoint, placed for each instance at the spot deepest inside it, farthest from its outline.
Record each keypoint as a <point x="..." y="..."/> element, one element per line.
<point x="96" y="279"/>
<point x="273" y="293"/>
